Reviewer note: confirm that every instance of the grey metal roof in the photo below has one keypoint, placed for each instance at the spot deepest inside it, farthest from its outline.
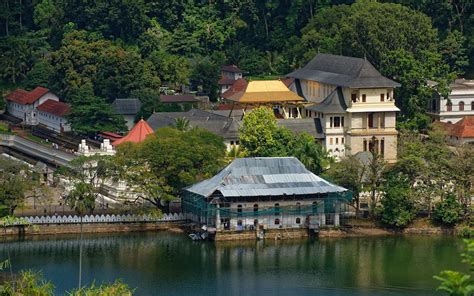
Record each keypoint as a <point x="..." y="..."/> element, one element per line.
<point x="333" y="103"/>
<point x="304" y="125"/>
<point x="264" y="176"/>
<point x="129" y="106"/>
<point x="220" y="125"/>
<point x="343" y="71"/>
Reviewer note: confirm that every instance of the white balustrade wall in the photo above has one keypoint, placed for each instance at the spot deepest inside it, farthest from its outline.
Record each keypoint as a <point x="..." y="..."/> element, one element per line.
<point x="100" y="219"/>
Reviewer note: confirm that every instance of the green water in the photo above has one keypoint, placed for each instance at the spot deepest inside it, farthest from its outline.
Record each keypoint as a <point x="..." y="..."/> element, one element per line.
<point x="168" y="264"/>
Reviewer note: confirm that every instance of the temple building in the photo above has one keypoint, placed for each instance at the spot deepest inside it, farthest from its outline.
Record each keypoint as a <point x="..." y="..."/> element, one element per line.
<point x="272" y="93"/>
<point x="265" y="193"/>
<point x="352" y="103"/>
<point x="137" y="134"/>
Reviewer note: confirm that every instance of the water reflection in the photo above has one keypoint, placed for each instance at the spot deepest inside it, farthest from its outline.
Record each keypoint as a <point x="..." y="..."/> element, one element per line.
<point x="167" y="264"/>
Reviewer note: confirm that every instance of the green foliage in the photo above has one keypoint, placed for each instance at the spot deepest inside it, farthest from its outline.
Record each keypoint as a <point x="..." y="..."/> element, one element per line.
<point x="81" y="198"/>
<point x="349" y="173"/>
<point x="448" y="211"/>
<point x="457" y="283"/>
<point x="259" y="135"/>
<point x="115" y="289"/>
<point x="27" y="283"/>
<point x="205" y="75"/>
<point x="90" y="114"/>
<point x="16" y="181"/>
<point x="165" y="163"/>
<point x="397" y="207"/>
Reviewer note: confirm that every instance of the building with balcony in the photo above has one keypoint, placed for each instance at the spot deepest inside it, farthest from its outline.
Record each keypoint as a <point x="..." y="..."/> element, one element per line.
<point x="460" y="102"/>
<point x="352" y="104"/>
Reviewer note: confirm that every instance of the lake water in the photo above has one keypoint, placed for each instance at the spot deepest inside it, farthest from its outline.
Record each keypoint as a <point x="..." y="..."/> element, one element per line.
<point x="171" y="264"/>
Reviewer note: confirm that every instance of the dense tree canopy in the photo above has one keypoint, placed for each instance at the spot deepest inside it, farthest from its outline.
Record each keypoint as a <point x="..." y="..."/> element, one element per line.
<point x="125" y="47"/>
<point x="261" y="136"/>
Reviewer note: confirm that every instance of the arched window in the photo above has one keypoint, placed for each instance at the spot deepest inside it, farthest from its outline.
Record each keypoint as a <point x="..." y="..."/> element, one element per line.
<point x="239" y="210"/>
<point x="449" y="106"/>
<point x="461" y="106"/>
<point x="298" y="221"/>
<point x="472" y="105"/>
<point x="277" y="221"/>
<point x="277" y="209"/>
<point x="255" y="208"/>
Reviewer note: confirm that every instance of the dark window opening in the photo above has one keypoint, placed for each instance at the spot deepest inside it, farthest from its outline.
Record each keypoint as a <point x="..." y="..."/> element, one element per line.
<point x="364" y="97"/>
<point x="298" y="221"/>
<point x="277" y="221"/>
<point x="354" y="98"/>
<point x="461" y="106"/>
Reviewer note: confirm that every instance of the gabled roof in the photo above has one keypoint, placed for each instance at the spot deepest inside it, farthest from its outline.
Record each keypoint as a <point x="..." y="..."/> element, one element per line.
<point x="226" y="81"/>
<point x="128" y="106"/>
<point x="231" y="68"/>
<point x="343" y="71"/>
<point x="137" y="134"/>
<point x="333" y="103"/>
<point x="24" y="97"/>
<point x="260" y="91"/>
<point x="178" y="99"/>
<point x="264" y="176"/>
<point x="220" y="125"/>
<point x="54" y="107"/>
<point x="461" y="129"/>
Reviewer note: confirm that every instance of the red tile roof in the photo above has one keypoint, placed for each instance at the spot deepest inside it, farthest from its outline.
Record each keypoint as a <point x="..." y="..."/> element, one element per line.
<point x="461" y="129"/>
<point x="238" y="86"/>
<point x="54" y="107"/>
<point x="231" y="68"/>
<point x="178" y="99"/>
<point x="226" y="81"/>
<point x="137" y="134"/>
<point x="24" y="97"/>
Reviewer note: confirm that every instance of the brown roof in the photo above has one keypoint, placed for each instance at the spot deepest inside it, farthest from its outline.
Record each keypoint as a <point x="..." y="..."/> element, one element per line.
<point x="238" y="86"/>
<point x="24" y="97"/>
<point x="231" y="68"/>
<point x="178" y="99"/>
<point x="260" y="91"/>
<point x="461" y="129"/>
<point x="54" y="107"/>
<point x="137" y="134"/>
<point x="225" y="81"/>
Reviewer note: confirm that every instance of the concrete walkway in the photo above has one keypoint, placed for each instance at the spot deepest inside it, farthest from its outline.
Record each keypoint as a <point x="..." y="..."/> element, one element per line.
<point x="52" y="156"/>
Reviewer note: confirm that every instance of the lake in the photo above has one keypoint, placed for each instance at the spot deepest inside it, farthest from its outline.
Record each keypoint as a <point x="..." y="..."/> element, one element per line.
<point x="171" y="264"/>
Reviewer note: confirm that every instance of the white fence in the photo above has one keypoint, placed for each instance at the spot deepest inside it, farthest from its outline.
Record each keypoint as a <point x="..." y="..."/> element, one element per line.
<point x="99" y="219"/>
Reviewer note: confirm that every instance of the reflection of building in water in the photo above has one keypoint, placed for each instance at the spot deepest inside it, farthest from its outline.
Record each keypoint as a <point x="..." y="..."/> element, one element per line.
<point x="265" y="193"/>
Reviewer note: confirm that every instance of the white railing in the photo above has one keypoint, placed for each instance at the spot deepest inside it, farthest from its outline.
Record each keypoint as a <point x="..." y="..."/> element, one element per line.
<point x="99" y="219"/>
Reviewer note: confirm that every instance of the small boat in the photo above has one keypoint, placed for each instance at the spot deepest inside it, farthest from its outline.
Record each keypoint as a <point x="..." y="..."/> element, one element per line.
<point x="195" y="237"/>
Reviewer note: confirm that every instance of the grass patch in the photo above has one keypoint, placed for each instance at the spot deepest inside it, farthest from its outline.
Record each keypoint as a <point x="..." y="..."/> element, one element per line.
<point x="4" y="129"/>
<point x="35" y="139"/>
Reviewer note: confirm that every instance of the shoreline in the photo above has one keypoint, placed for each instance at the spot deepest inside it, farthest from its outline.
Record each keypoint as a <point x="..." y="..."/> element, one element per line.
<point x="182" y="228"/>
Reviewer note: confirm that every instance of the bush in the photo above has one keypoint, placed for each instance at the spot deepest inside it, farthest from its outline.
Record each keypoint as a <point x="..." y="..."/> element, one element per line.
<point x="448" y="211"/>
<point x="397" y="209"/>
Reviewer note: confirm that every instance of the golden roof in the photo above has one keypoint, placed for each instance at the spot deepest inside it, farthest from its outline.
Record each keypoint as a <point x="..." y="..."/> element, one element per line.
<point x="264" y="91"/>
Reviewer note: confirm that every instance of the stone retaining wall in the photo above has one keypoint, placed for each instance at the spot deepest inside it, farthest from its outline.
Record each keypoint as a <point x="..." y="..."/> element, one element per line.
<point x="272" y="234"/>
<point x="51" y="229"/>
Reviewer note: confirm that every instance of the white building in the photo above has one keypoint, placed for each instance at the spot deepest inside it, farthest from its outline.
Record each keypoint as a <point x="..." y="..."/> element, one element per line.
<point x="52" y="114"/>
<point x="128" y="108"/>
<point x="352" y="102"/>
<point x="229" y="74"/>
<point x="22" y="104"/>
<point x="460" y="102"/>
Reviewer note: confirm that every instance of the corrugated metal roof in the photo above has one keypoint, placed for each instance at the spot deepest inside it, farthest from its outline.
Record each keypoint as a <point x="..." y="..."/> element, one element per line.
<point x="264" y="176"/>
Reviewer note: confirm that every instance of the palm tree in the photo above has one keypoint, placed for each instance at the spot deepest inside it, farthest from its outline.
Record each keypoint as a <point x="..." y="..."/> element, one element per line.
<point x="81" y="199"/>
<point x="182" y="124"/>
